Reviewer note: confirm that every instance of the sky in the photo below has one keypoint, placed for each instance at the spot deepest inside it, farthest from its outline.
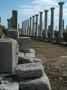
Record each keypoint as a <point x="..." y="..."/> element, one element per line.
<point x="28" y="8"/>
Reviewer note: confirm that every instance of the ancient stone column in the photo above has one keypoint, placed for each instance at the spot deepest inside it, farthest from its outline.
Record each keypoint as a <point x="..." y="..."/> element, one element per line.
<point x="25" y="26"/>
<point x="14" y="19"/>
<point x="63" y="24"/>
<point x="30" y="27"/>
<point x="52" y="23"/>
<point x="36" y="32"/>
<point x="40" y="31"/>
<point x="22" y="28"/>
<point x="60" y="36"/>
<point x="33" y="25"/>
<point x="45" y="26"/>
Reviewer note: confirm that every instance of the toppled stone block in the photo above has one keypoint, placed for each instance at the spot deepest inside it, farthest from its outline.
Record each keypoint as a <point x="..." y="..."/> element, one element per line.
<point x="9" y="86"/>
<point x="24" y="43"/>
<point x="41" y="83"/>
<point x="25" y="59"/>
<point x="12" y="34"/>
<point x="8" y="55"/>
<point x="30" y="70"/>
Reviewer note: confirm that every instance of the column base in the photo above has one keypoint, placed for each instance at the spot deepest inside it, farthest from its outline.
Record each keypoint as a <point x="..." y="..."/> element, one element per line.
<point x="60" y="40"/>
<point x="53" y="40"/>
<point x="46" y="39"/>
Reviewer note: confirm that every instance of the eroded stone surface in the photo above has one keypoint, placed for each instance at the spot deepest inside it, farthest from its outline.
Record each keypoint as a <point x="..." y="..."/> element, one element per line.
<point x="30" y="70"/>
<point x="30" y="54"/>
<point x="41" y="83"/>
<point x="24" y="43"/>
<point x="26" y="59"/>
<point x="8" y="55"/>
<point x="9" y="86"/>
<point x="7" y="82"/>
<point x="20" y="54"/>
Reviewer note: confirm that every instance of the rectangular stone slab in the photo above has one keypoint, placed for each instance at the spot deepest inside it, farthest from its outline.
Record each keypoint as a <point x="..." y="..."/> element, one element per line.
<point x="8" y="55"/>
<point x="41" y="83"/>
<point x="29" y="70"/>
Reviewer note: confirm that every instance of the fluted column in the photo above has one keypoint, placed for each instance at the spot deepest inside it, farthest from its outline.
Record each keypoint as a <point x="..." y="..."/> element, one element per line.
<point x="61" y="19"/>
<point x="45" y="25"/>
<point x="22" y="28"/>
<point x="33" y="26"/>
<point x="36" y="32"/>
<point x="41" y="29"/>
<point x="52" y="23"/>
<point x="30" y="31"/>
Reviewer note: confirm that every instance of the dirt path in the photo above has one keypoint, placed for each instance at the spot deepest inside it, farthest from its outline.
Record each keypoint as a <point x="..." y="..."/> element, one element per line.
<point x="55" y="54"/>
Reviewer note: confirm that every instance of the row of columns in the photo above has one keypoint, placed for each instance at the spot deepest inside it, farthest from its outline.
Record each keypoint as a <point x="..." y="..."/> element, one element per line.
<point x="35" y="29"/>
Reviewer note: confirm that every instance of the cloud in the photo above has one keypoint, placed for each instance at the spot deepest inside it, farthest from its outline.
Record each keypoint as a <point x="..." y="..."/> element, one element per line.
<point x="27" y="10"/>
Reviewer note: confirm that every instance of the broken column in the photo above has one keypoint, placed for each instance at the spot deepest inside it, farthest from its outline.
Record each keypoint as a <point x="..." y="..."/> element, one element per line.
<point x="33" y="26"/>
<point x="9" y="24"/>
<point x="60" y="36"/>
<point x="52" y="37"/>
<point x="45" y="26"/>
<point x="36" y="32"/>
<point x="14" y="19"/>
<point x="40" y="31"/>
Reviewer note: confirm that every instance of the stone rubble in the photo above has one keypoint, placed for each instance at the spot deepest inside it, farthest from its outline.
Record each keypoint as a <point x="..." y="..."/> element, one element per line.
<point x="28" y="70"/>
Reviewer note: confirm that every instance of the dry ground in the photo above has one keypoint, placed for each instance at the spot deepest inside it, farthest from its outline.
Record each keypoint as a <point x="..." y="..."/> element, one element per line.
<point x="53" y="56"/>
<point x="53" y="53"/>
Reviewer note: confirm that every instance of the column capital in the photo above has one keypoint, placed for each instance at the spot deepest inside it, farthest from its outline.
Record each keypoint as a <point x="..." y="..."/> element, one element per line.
<point x="52" y="8"/>
<point x="46" y="10"/>
<point x="61" y="3"/>
<point x="33" y="16"/>
<point x="41" y="12"/>
<point x="36" y="15"/>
